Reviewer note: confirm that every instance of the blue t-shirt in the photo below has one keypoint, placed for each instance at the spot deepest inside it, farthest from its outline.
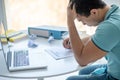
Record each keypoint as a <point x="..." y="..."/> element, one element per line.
<point x="107" y="38"/>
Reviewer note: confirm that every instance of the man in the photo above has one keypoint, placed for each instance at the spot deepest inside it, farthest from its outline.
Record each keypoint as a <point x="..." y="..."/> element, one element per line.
<point x="104" y="43"/>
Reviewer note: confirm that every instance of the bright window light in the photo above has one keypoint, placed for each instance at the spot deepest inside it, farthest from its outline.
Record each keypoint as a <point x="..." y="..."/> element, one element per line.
<point x="24" y="13"/>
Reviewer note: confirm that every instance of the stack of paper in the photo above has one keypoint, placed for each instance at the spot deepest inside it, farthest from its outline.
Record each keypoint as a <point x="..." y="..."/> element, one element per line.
<point x="17" y="37"/>
<point x="13" y="35"/>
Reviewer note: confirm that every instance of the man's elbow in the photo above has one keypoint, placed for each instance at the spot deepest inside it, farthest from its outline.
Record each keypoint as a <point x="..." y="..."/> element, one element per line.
<point x="82" y="63"/>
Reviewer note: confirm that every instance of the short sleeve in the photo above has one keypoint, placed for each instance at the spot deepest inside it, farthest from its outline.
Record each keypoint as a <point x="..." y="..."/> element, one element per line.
<point x="106" y="36"/>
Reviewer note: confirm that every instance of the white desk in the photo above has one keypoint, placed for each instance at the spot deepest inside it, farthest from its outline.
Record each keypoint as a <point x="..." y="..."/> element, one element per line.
<point x="55" y="67"/>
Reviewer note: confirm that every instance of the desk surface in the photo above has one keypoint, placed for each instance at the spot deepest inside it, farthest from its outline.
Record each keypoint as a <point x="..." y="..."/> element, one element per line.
<point x="55" y="67"/>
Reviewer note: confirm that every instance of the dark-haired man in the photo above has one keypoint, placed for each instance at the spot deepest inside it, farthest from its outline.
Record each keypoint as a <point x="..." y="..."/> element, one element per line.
<point x="104" y="43"/>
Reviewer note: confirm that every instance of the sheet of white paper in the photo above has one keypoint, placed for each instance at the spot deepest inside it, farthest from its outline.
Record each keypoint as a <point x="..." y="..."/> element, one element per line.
<point x="59" y="52"/>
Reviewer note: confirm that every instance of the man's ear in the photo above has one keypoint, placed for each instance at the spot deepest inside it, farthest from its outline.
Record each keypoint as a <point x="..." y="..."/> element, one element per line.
<point x="94" y="12"/>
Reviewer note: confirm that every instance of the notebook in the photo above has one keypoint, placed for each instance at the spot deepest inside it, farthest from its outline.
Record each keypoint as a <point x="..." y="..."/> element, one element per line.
<point x="21" y="59"/>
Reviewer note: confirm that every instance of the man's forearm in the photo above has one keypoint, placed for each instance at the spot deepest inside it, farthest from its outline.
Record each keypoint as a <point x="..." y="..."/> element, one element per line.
<point x="75" y="40"/>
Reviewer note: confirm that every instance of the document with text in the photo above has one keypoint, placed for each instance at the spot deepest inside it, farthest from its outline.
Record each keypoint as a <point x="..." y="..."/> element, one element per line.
<point x="59" y="52"/>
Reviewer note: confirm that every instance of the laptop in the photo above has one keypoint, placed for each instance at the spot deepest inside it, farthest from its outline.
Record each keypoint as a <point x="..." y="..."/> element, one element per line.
<point x="22" y="59"/>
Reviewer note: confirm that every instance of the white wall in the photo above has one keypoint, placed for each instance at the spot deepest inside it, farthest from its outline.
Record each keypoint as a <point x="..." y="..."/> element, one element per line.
<point x="110" y="2"/>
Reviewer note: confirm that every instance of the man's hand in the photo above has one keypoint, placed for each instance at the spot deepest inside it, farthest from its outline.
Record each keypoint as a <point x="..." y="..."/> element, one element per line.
<point x="66" y="43"/>
<point x="71" y="13"/>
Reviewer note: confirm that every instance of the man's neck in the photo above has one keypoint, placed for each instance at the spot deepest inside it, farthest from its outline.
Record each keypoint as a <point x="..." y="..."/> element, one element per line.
<point x="104" y="12"/>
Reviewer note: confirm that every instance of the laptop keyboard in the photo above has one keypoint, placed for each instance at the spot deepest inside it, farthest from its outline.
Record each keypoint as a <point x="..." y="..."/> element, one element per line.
<point x="21" y="58"/>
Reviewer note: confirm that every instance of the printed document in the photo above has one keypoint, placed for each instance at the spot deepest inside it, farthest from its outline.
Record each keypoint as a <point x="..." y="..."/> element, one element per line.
<point x="59" y="52"/>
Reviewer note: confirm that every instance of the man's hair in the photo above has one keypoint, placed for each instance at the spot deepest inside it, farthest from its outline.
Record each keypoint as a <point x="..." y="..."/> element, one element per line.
<point x="83" y="7"/>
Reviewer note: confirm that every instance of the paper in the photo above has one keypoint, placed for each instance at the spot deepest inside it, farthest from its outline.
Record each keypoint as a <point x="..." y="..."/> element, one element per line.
<point x="59" y="52"/>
